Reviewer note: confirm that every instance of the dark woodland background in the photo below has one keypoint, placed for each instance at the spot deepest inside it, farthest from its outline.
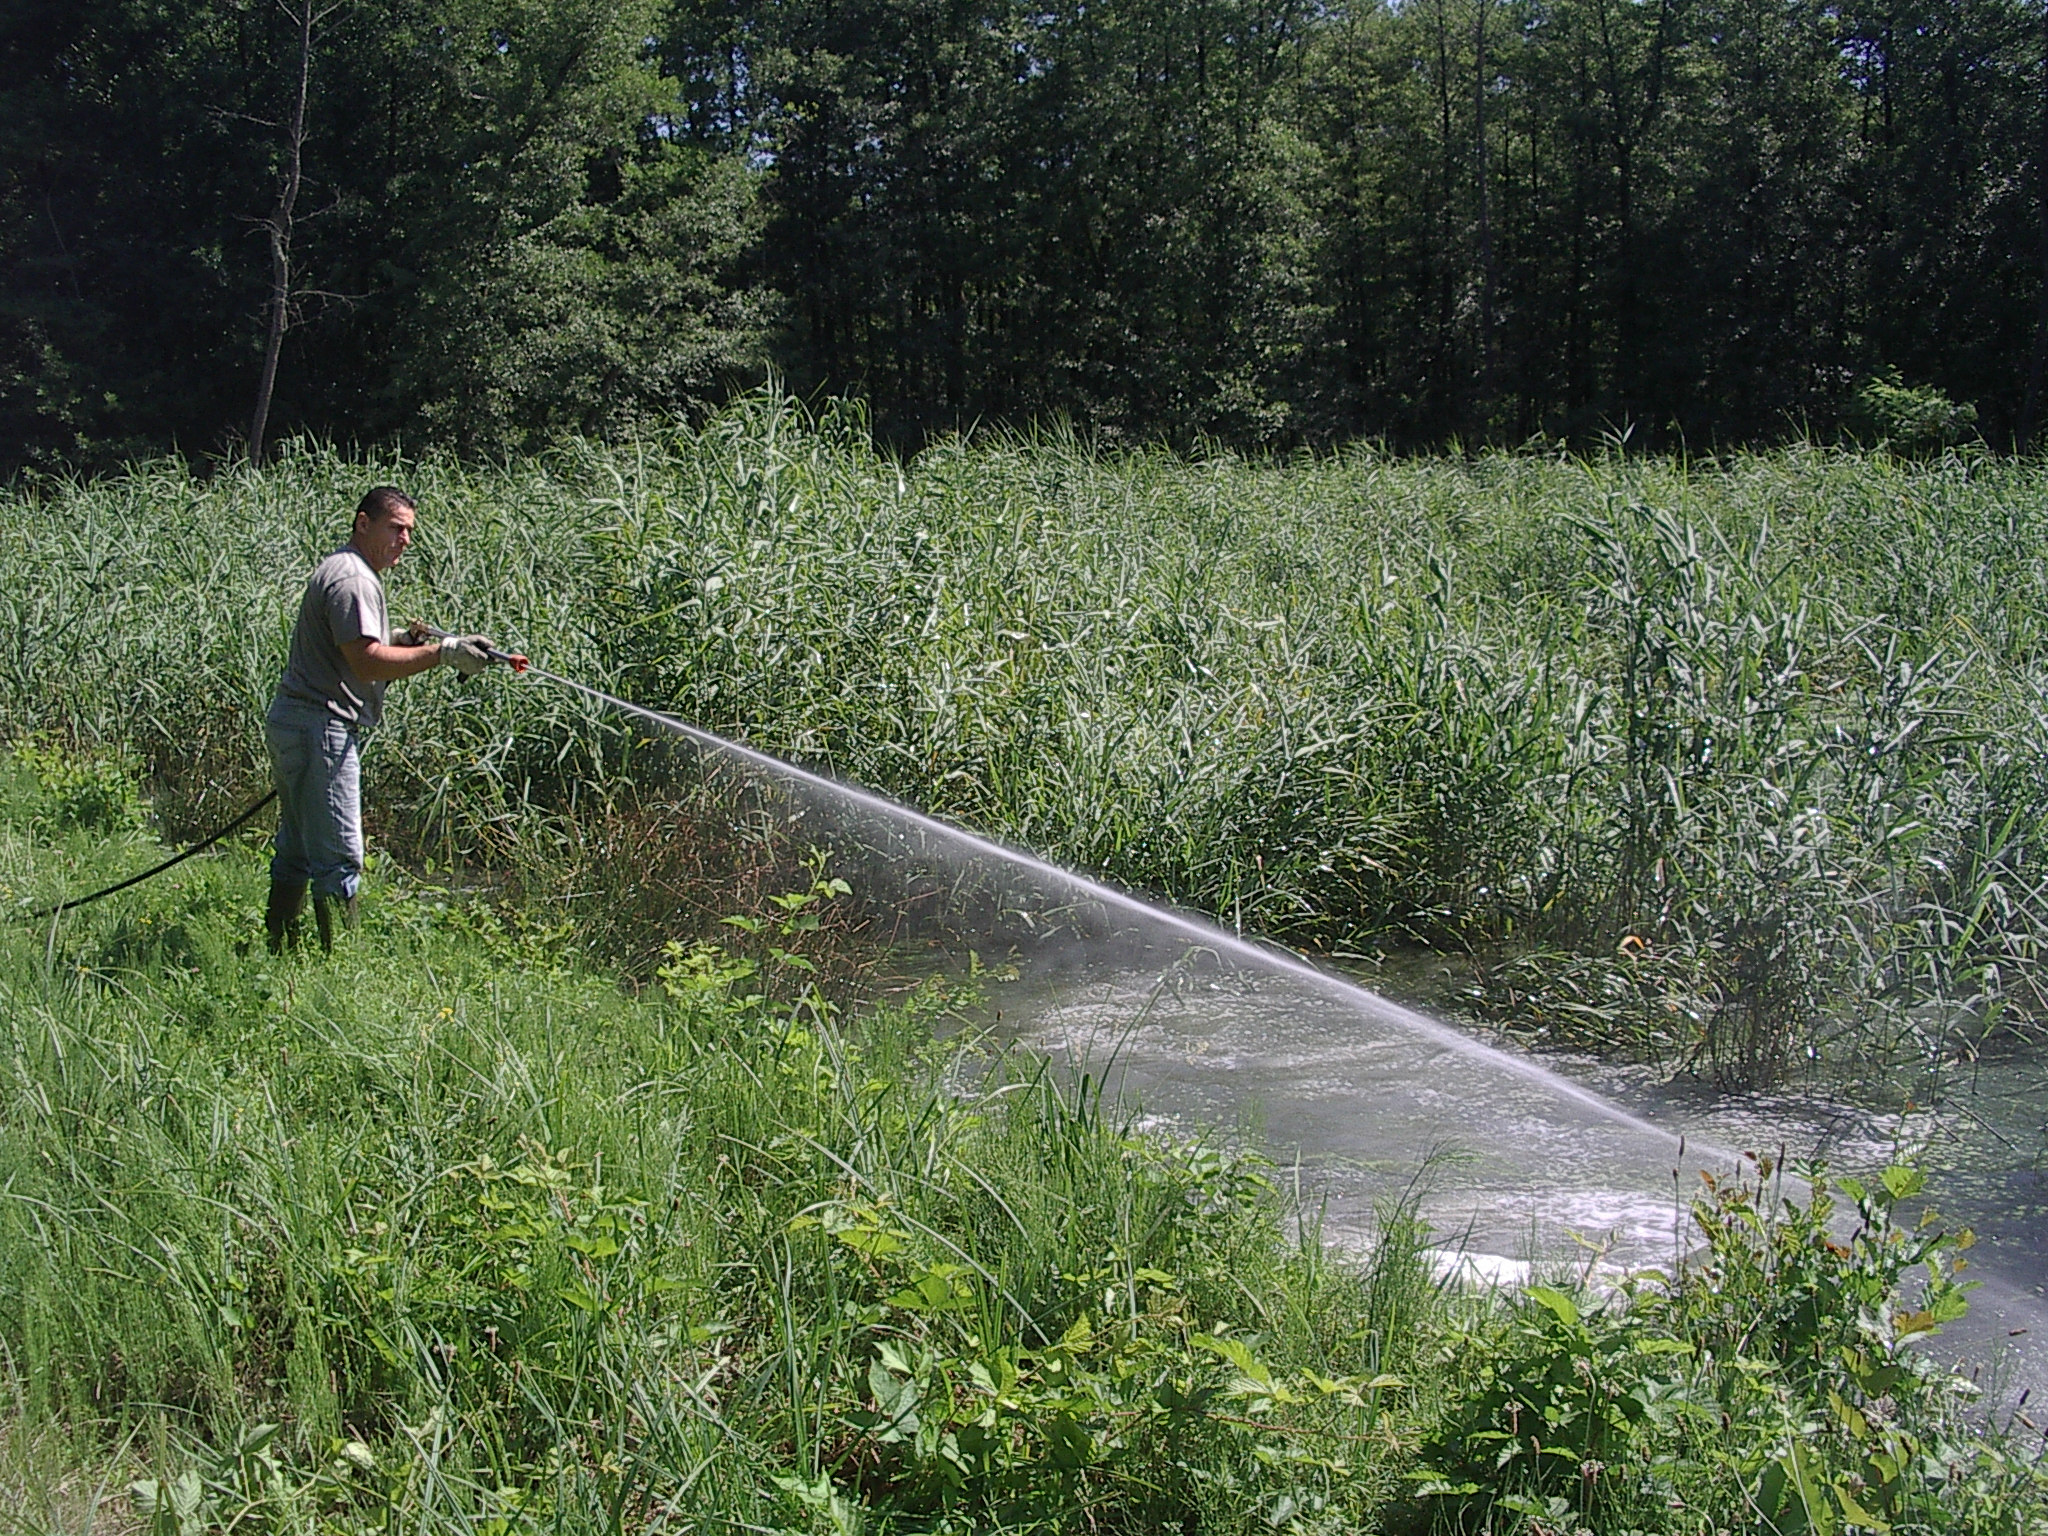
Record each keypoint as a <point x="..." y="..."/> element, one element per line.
<point x="1262" y="223"/>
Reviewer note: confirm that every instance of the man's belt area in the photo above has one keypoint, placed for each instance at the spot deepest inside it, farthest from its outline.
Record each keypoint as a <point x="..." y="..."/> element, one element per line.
<point x="325" y="706"/>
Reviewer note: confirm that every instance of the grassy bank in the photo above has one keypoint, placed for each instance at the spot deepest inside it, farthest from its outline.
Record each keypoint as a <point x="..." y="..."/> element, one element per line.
<point x="1737" y="765"/>
<point x="454" y="1233"/>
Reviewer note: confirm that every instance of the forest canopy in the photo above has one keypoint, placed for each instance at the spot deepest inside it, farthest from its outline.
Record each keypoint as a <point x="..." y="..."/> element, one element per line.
<point x="482" y="224"/>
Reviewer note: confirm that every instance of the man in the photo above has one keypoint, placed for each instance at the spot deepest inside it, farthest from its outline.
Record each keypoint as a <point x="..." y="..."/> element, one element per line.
<point x="342" y="656"/>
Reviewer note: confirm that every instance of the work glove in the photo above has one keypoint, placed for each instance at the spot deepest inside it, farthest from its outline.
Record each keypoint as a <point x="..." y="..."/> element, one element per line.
<point x="467" y="654"/>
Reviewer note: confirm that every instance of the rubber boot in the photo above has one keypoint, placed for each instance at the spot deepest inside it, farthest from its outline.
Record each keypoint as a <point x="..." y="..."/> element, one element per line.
<point x="281" y="916"/>
<point x="325" y="910"/>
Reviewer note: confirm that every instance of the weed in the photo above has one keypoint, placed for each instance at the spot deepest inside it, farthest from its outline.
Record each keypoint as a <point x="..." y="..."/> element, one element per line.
<point x="1778" y="1368"/>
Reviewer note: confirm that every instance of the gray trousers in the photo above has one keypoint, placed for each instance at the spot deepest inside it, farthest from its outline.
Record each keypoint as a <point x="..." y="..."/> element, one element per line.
<point x="314" y="764"/>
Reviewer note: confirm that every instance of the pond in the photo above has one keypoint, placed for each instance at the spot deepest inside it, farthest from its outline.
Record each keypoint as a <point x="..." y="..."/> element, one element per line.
<point x="1567" y="1163"/>
<point x="1521" y="1165"/>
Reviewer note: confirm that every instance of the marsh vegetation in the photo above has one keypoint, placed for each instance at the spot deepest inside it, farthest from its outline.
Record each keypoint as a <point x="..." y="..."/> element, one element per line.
<point x="1732" y="765"/>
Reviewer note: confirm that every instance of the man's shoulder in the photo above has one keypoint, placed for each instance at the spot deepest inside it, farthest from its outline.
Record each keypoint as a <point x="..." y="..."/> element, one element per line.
<point x="344" y="568"/>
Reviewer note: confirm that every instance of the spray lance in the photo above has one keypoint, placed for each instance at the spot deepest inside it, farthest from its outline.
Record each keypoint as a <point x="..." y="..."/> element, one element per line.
<point x="668" y="723"/>
<point x="510" y="659"/>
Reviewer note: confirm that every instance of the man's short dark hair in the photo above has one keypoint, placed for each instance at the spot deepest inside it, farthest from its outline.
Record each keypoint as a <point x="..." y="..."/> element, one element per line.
<point x="380" y="501"/>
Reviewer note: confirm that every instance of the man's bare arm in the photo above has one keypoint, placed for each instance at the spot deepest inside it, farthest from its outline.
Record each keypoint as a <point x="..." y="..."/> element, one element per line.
<point x="375" y="662"/>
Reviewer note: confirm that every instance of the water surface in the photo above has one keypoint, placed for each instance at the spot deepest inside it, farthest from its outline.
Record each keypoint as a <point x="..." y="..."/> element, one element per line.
<point x="1521" y="1166"/>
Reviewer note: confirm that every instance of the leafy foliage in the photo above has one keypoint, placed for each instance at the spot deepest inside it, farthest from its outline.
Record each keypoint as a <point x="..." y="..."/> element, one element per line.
<point x="1911" y="420"/>
<point x="1781" y="1362"/>
<point x="1259" y="222"/>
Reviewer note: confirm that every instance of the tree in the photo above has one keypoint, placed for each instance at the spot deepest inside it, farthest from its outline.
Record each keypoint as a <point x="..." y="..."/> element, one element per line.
<point x="278" y="226"/>
<point x="1261" y="221"/>
<point x="122" y="292"/>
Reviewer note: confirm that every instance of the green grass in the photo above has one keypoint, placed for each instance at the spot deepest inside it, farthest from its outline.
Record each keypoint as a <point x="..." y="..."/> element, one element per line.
<point x="1732" y="764"/>
<point x="456" y="1233"/>
<point x="529" y="1248"/>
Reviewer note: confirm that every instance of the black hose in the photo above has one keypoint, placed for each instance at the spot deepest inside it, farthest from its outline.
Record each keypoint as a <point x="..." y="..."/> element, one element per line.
<point x="176" y="858"/>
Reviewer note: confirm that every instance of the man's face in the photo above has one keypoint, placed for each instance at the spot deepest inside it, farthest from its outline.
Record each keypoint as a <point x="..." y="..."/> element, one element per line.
<point x="381" y="540"/>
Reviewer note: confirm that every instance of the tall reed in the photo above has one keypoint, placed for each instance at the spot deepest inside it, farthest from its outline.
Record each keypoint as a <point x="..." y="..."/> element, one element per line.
<point x="1732" y="762"/>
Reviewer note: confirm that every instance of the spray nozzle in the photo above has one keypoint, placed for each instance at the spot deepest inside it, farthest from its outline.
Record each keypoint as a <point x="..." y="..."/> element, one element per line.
<point x="512" y="659"/>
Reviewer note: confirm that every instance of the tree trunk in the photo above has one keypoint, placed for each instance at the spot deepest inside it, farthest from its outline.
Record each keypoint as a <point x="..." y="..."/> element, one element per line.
<point x="279" y="229"/>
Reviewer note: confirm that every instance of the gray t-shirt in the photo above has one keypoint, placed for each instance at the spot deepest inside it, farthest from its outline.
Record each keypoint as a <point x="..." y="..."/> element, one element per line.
<point x="344" y="601"/>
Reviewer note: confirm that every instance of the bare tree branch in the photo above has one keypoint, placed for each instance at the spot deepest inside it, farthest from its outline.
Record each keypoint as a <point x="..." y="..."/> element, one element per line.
<point x="278" y="226"/>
